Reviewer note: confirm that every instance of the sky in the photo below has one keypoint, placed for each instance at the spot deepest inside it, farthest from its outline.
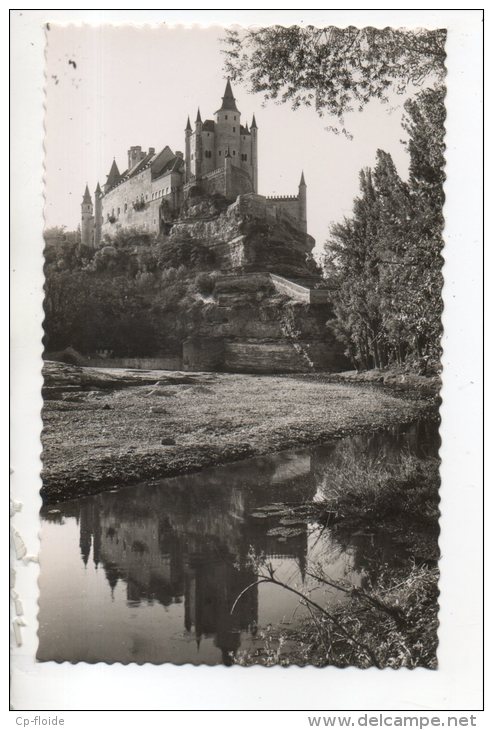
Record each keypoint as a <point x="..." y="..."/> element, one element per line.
<point x="111" y="87"/>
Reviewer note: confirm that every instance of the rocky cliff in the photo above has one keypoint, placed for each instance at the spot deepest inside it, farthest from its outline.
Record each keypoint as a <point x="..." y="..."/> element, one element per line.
<point x="247" y="235"/>
<point x="245" y="324"/>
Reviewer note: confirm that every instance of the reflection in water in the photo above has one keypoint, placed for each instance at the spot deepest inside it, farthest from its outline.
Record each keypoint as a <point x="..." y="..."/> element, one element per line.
<point x="150" y="573"/>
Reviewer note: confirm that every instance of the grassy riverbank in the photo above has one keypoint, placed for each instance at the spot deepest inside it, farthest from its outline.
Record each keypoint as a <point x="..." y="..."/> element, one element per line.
<point x="391" y="619"/>
<point x="106" y="428"/>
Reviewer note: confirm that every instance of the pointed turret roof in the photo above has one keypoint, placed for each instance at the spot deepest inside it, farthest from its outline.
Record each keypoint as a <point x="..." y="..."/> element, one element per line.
<point x="113" y="175"/>
<point x="199" y="118"/>
<point x="188" y="128"/>
<point x="229" y="102"/>
<point x="253" y="125"/>
<point x="302" y="181"/>
<point x="87" y="195"/>
<point x="98" y="189"/>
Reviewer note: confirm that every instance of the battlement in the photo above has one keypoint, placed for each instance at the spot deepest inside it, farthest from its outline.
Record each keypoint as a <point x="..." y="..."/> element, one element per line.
<point x="212" y="173"/>
<point x="280" y="198"/>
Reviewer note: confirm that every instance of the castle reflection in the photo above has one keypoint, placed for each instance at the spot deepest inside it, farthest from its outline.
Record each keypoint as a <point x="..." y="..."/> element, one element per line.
<point x="188" y="540"/>
<point x="185" y="544"/>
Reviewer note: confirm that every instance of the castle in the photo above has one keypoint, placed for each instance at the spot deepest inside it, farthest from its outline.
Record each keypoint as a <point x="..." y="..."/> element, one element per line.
<point x="220" y="158"/>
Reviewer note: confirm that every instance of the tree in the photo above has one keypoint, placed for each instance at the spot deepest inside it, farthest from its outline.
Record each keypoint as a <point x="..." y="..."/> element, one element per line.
<point x="424" y="121"/>
<point x="364" y="259"/>
<point x="334" y="70"/>
<point x="384" y="263"/>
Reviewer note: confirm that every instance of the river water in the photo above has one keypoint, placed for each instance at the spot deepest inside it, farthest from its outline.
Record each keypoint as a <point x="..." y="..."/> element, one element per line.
<point x="150" y="573"/>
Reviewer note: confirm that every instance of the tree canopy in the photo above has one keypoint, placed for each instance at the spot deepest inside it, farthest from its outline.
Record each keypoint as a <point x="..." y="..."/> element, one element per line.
<point x="334" y="70"/>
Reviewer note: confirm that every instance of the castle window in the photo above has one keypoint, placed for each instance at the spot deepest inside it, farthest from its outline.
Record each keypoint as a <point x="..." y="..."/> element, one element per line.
<point x="234" y="118"/>
<point x="225" y="116"/>
<point x="219" y="153"/>
<point x="118" y="211"/>
<point x="234" y="129"/>
<point x="234" y="153"/>
<point x="125" y="208"/>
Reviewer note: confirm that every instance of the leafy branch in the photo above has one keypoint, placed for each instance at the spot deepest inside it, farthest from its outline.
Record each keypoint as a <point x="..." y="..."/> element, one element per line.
<point x="334" y="70"/>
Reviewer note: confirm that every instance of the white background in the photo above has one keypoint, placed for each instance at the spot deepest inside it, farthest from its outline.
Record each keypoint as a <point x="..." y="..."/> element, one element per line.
<point x="457" y="684"/>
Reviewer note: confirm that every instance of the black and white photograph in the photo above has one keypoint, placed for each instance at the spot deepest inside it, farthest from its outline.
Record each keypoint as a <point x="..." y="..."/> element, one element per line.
<point x="248" y="279"/>
<point x="243" y="275"/>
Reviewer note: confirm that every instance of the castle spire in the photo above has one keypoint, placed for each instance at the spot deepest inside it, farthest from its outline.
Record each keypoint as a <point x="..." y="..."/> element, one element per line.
<point x="253" y="125"/>
<point x="302" y="181"/>
<point x="229" y="102"/>
<point x="87" y="195"/>
<point x="199" y="118"/>
<point x="188" y="128"/>
<point x="113" y="175"/>
<point x="98" y="189"/>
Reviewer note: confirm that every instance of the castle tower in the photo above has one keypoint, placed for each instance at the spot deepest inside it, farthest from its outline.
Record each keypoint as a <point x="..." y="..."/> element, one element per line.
<point x="113" y="177"/>
<point x="98" y="215"/>
<point x="228" y="123"/>
<point x="188" y="134"/>
<point x="302" y="202"/>
<point x="198" y="146"/>
<point x="87" y="219"/>
<point x="254" y="133"/>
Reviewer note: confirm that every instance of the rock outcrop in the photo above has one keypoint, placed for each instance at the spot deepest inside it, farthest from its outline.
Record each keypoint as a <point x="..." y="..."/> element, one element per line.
<point x="247" y="235"/>
<point x="246" y="323"/>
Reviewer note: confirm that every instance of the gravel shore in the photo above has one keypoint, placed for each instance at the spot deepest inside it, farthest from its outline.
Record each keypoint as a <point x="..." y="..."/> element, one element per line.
<point x="105" y="428"/>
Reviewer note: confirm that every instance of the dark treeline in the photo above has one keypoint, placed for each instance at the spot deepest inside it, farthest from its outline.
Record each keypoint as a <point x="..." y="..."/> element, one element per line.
<point x="133" y="297"/>
<point x="384" y="262"/>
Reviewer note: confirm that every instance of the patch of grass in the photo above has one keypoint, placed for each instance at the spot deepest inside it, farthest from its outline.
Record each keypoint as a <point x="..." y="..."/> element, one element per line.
<point x="374" y="489"/>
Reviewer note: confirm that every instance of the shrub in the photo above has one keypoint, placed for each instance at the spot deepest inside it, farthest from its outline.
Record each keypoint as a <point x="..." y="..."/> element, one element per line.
<point x="204" y="283"/>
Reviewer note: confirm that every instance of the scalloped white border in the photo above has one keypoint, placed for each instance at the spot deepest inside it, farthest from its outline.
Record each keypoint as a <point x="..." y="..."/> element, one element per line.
<point x="457" y="683"/>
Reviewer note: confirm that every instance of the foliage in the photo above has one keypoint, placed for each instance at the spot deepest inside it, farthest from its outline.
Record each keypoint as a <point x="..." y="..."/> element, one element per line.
<point x="205" y="283"/>
<point x="384" y="263"/>
<point x="377" y="489"/>
<point x="135" y="296"/>
<point x="334" y="70"/>
<point x="392" y="622"/>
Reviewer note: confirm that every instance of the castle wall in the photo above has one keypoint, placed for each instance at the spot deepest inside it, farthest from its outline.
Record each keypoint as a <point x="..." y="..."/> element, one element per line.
<point x="288" y="204"/>
<point x="241" y="181"/>
<point x="119" y="202"/>
<point x="214" y="182"/>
